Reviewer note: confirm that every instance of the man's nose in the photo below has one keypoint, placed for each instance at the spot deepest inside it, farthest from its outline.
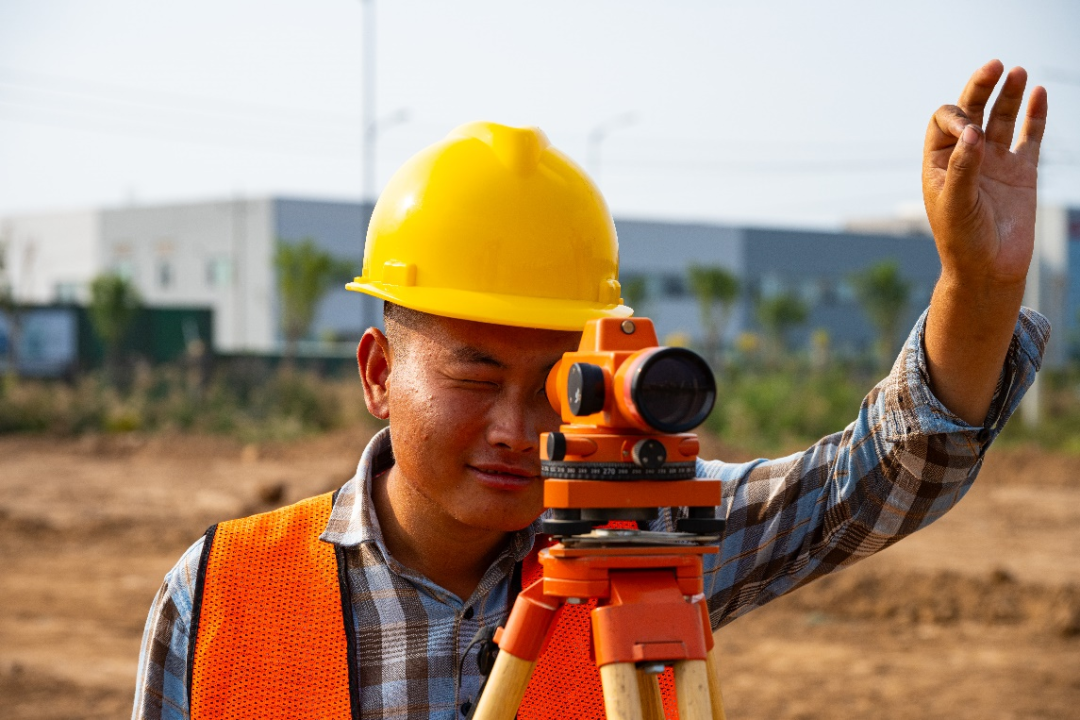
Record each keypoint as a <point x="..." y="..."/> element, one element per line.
<point x="515" y="425"/>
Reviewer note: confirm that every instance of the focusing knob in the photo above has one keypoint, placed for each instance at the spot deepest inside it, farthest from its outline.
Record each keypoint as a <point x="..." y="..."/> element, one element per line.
<point x="585" y="388"/>
<point x="649" y="454"/>
<point x="556" y="446"/>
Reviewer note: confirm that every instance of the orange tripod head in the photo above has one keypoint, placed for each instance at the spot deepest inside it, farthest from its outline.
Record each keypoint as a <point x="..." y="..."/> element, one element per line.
<point x="624" y="450"/>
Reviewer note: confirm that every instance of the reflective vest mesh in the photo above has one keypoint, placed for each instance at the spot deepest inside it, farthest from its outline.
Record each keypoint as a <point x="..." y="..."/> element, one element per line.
<point x="271" y="635"/>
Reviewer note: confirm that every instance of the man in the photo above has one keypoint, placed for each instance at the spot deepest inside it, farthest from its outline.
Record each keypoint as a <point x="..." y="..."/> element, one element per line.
<point x="492" y="250"/>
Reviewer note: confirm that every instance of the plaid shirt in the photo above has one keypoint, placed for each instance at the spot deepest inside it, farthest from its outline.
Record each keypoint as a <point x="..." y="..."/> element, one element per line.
<point x="902" y="464"/>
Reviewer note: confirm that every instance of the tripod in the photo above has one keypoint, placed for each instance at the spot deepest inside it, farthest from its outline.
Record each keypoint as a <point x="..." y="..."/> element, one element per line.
<point x="651" y="613"/>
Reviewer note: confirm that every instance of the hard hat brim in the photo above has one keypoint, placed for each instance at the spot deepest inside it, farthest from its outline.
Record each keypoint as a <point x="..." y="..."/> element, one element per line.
<point x="513" y="310"/>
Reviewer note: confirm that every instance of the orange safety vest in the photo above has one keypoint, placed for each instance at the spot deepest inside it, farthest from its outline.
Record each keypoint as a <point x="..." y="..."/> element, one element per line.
<point x="272" y="633"/>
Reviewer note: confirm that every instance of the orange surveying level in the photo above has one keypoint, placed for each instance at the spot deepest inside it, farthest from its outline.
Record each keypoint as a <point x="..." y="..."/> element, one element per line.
<point x="623" y="452"/>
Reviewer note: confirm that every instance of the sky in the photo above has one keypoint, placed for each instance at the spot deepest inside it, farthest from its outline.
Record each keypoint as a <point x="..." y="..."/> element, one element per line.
<point x="798" y="114"/>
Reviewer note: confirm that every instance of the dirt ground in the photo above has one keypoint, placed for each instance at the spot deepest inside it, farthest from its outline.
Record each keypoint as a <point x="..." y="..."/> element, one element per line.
<point x="976" y="617"/>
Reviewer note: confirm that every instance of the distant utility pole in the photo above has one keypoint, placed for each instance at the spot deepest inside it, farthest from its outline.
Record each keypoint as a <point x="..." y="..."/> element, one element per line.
<point x="597" y="135"/>
<point x="368" y="109"/>
<point x="367" y="119"/>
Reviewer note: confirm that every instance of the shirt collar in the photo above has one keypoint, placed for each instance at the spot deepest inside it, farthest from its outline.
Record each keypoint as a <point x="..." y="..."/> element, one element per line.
<point x="353" y="521"/>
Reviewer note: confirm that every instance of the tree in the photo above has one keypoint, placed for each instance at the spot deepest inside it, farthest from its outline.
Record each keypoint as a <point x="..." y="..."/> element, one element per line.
<point x="305" y="274"/>
<point x="114" y="303"/>
<point x="884" y="295"/>
<point x="716" y="289"/>
<point x="779" y="314"/>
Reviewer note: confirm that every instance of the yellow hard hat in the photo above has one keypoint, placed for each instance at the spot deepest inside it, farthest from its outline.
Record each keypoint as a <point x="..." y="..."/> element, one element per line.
<point x="493" y="224"/>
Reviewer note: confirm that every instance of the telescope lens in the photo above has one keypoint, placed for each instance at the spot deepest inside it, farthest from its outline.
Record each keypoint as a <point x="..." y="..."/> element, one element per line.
<point x="674" y="390"/>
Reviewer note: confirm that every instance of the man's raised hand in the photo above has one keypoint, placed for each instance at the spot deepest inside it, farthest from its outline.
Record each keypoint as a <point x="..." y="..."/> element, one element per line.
<point x="979" y="190"/>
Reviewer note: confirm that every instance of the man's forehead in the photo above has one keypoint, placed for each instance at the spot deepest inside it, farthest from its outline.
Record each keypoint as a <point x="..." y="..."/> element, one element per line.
<point x="504" y="347"/>
<point x="471" y="342"/>
<point x="470" y="355"/>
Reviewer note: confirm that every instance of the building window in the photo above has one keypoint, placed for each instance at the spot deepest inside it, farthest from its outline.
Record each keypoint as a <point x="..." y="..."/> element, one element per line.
<point x="218" y="272"/>
<point x="124" y="268"/>
<point x="771" y="286"/>
<point x="810" y="292"/>
<point x="845" y="292"/>
<point x="827" y="291"/>
<point x="165" y="274"/>
<point x="67" y="292"/>
<point x="673" y="286"/>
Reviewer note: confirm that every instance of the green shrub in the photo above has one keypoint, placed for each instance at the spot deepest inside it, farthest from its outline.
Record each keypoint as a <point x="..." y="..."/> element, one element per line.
<point x="763" y="410"/>
<point x="25" y="407"/>
<point x="770" y="410"/>
<point x="251" y="403"/>
<point x="773" y="410"/>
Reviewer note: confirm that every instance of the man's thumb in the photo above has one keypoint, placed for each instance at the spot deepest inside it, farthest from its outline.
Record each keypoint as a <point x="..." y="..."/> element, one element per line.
<point x="962" y="177"/>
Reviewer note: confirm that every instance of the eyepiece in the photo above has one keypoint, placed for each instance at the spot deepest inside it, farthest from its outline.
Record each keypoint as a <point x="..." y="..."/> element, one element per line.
<point x="671" y="389"/>
<point x="585" y="388"/>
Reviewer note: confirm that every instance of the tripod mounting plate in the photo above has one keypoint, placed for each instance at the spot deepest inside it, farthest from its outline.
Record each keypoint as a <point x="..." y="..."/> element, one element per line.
<point x="639" y="539"/>
<point x="646" y="555"/>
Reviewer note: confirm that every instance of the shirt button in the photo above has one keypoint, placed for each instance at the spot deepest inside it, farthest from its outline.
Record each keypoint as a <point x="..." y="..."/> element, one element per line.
<point x="468" y="614"/>
<point x="465" y="707"/>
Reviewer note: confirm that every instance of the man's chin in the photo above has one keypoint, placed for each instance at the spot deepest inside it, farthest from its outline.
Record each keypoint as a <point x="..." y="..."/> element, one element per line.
<point x="501" y="520"/>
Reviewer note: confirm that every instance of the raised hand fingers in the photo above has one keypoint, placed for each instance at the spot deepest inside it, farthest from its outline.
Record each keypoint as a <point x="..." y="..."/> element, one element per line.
<point x="999" y="128"/>
<point x="946" y="126"/>
<point x="953" y="157"/>
<point x="977" y="92"/>
<point x="1031" y="132"/>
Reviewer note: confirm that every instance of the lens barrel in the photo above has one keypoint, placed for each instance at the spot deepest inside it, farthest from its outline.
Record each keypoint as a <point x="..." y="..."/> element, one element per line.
<point x="672" y="389"/>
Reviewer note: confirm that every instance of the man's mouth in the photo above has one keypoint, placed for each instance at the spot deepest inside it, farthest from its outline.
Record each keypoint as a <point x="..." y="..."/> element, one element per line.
<point x="503" y="477"/>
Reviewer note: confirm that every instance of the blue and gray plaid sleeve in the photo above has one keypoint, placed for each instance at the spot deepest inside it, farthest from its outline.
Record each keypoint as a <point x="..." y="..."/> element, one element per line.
<point x="903" y="462"/>
<point x="161" y="689"/>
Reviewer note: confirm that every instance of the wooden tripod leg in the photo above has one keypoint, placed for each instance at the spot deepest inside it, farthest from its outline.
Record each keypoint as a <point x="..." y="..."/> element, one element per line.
<point x="622" y="700"/>
<point x="715" y="698"/>
<point x="652" y="704"/>
<point x="504" y="689"/>
<point x="692" y="690"/>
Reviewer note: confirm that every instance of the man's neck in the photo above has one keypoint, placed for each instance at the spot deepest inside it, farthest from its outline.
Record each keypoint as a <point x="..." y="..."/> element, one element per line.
<point x="424" y="539"/>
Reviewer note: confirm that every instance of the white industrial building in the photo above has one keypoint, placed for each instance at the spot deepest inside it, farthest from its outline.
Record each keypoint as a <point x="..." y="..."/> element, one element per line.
<point x="215" y="254"/>
<point x="218" y="254"/>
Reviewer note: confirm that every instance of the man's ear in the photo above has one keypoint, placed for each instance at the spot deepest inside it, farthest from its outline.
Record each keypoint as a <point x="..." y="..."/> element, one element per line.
<point x="374" y="360"/>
